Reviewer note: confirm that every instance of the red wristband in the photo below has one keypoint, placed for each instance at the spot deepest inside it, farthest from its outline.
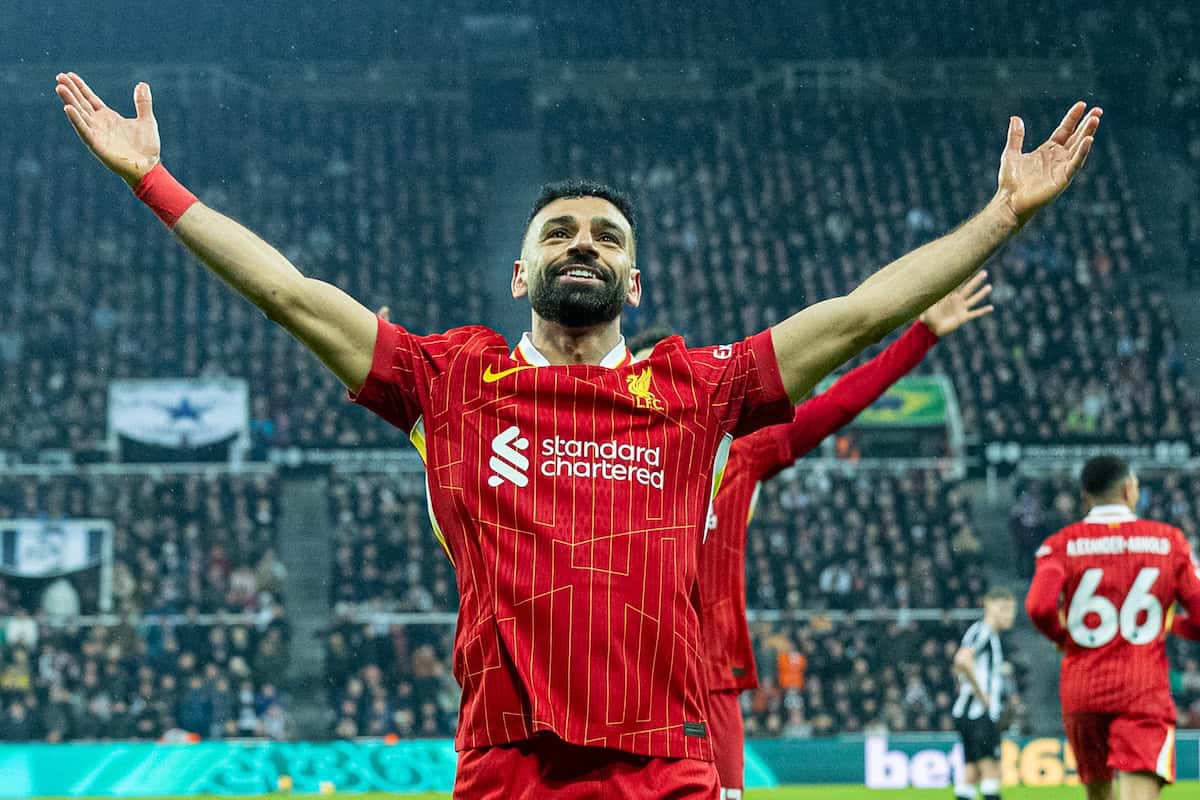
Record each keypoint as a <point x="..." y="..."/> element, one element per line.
<point x="167" y="197"/>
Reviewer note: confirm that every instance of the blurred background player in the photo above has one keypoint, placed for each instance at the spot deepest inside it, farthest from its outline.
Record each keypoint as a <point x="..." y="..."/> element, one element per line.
<point x="979" y="665"/>
<point x="758" y="457"/>
<point x="1102" y="592"/>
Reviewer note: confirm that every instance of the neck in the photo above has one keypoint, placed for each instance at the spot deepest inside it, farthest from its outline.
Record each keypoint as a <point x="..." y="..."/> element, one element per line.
<point x="1108" y="501"/>
<point x="564" y="346"/>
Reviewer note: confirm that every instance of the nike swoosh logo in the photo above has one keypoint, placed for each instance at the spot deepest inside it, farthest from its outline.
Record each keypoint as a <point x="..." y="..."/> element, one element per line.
<point x="492" y="377"/>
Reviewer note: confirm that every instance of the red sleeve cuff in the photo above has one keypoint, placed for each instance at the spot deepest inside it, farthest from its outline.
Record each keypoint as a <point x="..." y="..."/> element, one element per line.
<point x="924" y="334"/>
<point x="385" y="342"/>
<point x="771" y="378"/>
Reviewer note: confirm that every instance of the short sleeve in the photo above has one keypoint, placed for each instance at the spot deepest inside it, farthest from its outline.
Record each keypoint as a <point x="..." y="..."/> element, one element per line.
<point x="974" y="637"/>
<point x="1049" y="555"/>
<point x="743" y="383"/>
<point x="403" y="367"/>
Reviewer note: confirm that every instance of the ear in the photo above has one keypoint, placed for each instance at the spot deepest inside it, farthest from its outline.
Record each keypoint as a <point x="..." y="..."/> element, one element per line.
<point x="520" y="282"/>
<point x="633" y="298"/>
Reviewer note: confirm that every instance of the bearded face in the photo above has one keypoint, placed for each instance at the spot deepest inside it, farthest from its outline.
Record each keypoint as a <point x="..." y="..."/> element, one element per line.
<point x="577" y="263"/>
<point x="577" y="292"/>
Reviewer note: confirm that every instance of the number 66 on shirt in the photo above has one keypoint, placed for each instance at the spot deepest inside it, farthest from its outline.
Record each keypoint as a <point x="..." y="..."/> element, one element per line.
<point x="1117" y="578"/>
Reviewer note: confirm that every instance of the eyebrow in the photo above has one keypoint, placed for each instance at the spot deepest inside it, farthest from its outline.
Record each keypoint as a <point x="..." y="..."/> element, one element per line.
<point x="607" y="224"/>
<point x="565" y="219"/>
<point x="603" y="223"/>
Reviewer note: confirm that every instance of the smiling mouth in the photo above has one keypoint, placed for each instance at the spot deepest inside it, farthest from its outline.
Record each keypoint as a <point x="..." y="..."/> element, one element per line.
<point x="581" y="272"/>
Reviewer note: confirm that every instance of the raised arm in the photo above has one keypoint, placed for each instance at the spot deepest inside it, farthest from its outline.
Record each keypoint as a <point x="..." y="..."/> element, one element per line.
<point x="811" y="343"/>
<point x="838" y="405"/>
<point x="338" y="329"/>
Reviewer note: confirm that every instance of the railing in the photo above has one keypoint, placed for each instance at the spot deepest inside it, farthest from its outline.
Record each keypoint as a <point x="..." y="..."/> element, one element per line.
<point x="411" y="81"/>
<point x="401" y="618"/>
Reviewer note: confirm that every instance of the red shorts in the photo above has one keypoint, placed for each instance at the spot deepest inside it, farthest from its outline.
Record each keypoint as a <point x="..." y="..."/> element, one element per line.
<point x="549" y="767"/>
<point x="728" y="741"/>
<point x="1126" y="742"/>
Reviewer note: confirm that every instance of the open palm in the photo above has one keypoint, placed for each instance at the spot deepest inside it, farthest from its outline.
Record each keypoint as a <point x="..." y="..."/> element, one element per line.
<point x="129" y="147"/>
<point x="959" y="307"/>
<point x="1029" y="181"/>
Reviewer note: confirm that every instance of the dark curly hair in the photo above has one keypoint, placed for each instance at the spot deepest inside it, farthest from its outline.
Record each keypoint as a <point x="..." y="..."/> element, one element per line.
<point x="582" y="187"/>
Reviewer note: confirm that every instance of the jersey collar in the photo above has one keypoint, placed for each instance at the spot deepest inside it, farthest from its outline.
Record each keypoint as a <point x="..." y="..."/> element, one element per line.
<point x="526" y="353"/>
<point x="1110" y="512"/>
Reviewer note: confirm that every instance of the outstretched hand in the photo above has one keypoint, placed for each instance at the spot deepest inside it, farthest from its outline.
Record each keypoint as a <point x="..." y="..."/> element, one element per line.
<point x="1028" y="181"/>
<point x="128" y="147"/>
<point x="959" y="307"/>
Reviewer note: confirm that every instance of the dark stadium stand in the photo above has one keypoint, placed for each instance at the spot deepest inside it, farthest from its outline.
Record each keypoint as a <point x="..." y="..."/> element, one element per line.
<point x="139" y="680"/>
<point x="753" y="209"/>
<point x="186" y="546"/>
<point x="383" y="679"/>
<point x="180" y="540"/>
<point x="829" y="542"/>
<point x="383" y="549"/>
<point x="850" y="684"/>
<point x="374" y="209"/>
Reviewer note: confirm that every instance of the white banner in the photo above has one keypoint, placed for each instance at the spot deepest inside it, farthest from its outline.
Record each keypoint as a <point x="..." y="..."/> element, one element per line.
<point x="178" y="412"/>
<point x="37" y="548"/>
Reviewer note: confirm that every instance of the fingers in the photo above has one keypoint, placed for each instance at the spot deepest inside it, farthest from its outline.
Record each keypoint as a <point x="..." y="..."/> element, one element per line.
<point x="384" y="311"/>
<point x="979" y="296"/>
<point x="983" y="311"/>
<point x="1016" y="135"/>
<point x="142" y="101"/>
<point x="69" y="94"/>
<point x="1080" y="153"/>
<point x="972" y="283"/>
<point x="80" y="124"/>
<point x="86" y="92"/>
<point x="1090" y="124"/>
<point x="1068" y="124"/>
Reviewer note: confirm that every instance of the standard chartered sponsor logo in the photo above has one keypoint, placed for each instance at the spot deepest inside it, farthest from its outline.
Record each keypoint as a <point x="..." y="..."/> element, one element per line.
<point x="508" y="462"/>
<point x="611" y="460"/>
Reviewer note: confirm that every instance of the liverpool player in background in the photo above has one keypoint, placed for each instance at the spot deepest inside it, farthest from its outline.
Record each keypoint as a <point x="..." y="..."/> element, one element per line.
<point x="760" y="456"/>
<point x="979" y="665"/>
<point x="569" y="486"/>
<point x="1103" y="592"/>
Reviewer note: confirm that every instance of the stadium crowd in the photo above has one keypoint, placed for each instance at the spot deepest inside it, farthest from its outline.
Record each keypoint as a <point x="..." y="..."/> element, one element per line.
<point x="753" y="208"/>
<point x="142" y="680"/>
<point x="373" y="208"/>
<point x="750" y="209"/>
<point x="822" y="677"/>
<point x="185" y="547"/>
<point x="179" y="540"/>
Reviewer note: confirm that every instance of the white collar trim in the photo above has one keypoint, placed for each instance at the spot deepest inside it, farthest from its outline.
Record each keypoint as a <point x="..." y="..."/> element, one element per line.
<point x="531" y="354"/>
<point x="1110" y="512"/>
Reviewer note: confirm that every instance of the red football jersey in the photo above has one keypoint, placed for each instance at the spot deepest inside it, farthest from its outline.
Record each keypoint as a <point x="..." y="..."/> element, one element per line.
<point x="760" y="456"/>
<point x="1103" y="591"/>
<point x="572" y="501"/>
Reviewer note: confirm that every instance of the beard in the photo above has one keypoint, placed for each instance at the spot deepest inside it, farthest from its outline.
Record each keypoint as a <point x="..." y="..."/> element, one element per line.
<point x="573" y="305"/>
